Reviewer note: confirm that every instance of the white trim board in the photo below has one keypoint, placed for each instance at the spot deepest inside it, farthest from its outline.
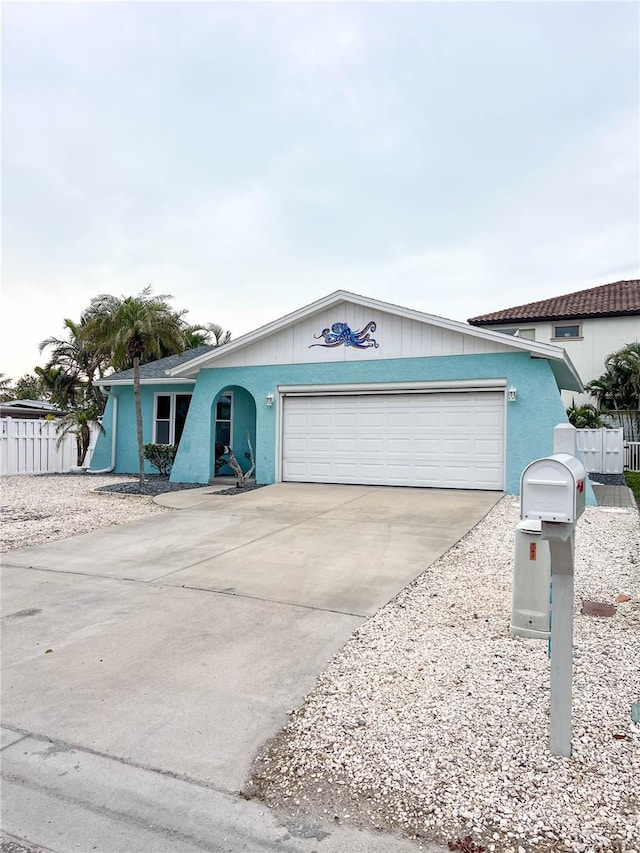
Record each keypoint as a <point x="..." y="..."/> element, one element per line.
<point x="167" y="380"/>
<point x="393" y="387"/>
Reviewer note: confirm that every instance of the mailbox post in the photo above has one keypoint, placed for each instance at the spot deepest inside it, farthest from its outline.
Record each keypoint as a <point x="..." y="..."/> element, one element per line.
<point x="552" y="490"/>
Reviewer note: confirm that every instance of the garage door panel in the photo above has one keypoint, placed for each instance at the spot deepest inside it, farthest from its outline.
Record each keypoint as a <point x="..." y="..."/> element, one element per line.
<point x="427" y="420"/>
<point x="296" y="444"/>
<point x="399" y="444"/>
<point x="452" y="440"/>
<point x="487" y="420"/>
<point x="395" y="420"/>
<point x="346" y="470"/>
<point x="320" y="469"/>
<point x="426" y="446"/>
<point x="399" y="472"/>
<point x="487" y="447"/>
<point x="343" y="444"/>
<point x="373" y="445"/>
<point x="320" y="446"/>
<point x="298" y="421"/>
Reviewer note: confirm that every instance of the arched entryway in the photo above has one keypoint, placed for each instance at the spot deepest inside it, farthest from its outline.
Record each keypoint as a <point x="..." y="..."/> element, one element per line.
<point x="233" y="424"/>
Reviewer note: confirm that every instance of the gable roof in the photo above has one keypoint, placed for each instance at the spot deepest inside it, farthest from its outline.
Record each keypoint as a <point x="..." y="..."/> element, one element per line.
<point x="618" y="299"/>
<point x="156" y="370"/>
<point x="564" y="371"/>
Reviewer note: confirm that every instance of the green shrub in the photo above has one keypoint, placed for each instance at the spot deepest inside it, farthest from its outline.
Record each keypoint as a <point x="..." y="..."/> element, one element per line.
<point x="585" y="416"/>
<point x="633" y="481"/>
<point x="161" y="456"/>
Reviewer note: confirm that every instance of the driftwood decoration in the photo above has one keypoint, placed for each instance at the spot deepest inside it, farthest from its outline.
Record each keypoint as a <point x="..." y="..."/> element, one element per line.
<point x="240" y="475"/>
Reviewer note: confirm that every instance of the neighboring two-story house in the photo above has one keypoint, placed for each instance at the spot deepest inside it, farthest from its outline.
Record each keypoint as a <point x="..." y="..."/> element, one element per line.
<point x="590" y="325"/>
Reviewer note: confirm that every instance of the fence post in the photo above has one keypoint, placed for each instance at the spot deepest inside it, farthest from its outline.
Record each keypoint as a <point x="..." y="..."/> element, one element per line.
<point x="12" y="448"/>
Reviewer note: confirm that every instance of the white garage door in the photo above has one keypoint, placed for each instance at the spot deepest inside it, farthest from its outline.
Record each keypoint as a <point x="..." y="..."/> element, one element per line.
<point x="444" y="440"/>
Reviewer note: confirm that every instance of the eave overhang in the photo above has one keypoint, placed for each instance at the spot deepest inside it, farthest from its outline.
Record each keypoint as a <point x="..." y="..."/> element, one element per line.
<point x="167" y="380"/>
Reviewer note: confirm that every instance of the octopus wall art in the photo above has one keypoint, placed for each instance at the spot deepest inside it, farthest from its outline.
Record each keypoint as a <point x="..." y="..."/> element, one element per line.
<point x="341" y="335"/>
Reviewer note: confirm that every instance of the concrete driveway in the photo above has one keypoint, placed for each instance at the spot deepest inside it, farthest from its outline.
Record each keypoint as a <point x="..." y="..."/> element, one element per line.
<point x="145" y="665"/>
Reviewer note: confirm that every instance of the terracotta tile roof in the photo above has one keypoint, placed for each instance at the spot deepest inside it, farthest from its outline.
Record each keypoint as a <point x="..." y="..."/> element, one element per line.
<point x="607" y="300"/>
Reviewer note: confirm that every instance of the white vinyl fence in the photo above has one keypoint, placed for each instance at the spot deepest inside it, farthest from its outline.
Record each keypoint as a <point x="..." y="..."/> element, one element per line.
<point x="632" y="455"/>
<point x="603" y="450"/>
<point x="30" y="447"/>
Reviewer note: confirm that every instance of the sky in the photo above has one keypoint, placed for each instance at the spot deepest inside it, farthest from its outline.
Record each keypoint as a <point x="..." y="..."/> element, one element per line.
<point x="250" y="158"/>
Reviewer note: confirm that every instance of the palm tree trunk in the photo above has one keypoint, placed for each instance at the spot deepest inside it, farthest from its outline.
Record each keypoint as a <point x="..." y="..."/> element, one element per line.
<point x="138" y="408"/>
<point x="85" y="440"/>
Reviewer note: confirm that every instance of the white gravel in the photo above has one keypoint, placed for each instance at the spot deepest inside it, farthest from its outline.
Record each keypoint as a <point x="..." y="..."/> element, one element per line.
<point x="434" y="721"/>
<point x="41" y="508"/>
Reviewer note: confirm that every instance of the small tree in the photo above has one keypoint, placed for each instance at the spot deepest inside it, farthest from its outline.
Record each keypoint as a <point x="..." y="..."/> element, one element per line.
<point x="161" y="457"/>
<point x="585" y="416"/>
<point x="28" y="387"/>
<point x="79" y="422"/>
<point x="6" y="388"/>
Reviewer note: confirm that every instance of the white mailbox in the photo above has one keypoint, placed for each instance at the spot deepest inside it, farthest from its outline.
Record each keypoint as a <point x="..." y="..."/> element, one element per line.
<point x="530" y="606"/>
<point x="553" y="489"/>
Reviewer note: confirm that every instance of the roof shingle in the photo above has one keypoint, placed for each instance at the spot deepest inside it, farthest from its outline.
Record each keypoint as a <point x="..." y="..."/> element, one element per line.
<point x="608" y="300"/>
<point x="158" y="369"/>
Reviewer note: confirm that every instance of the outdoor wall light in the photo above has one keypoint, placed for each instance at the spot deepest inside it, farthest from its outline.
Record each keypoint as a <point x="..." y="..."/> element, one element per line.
<point x="269" y="399"/>
<point x="511" y="394"/>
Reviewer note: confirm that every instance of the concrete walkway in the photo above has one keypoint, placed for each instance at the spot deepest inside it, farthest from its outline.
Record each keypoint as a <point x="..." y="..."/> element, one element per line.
<point x="145" y="665"/>
<point x="613" y="495"/>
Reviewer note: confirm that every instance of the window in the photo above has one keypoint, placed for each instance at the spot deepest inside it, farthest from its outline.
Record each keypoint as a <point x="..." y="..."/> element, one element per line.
<point x="223" y="419"/>
<point x="170" y="417"/>
<point x="527" y="334"/>
<point x="571" y="330"/>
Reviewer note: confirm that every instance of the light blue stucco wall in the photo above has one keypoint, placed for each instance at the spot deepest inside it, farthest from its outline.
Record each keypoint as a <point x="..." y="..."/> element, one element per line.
<point x="530" y="420"/>
<point x="198" y="442"/>
<point x="529" y="428"/>
<point x="126" y="441"/>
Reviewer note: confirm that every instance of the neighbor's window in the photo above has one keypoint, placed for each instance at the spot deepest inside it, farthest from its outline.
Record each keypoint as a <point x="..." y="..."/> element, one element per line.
<point x="527" y="334"/>
<point x="223" y="419"/>
<point x="170" y="417"/>
<point x="571" y="330"/>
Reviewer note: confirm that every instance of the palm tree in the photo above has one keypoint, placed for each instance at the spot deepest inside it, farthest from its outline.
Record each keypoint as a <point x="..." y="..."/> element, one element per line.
<point x="618" y="389"/>
<point x="134" y="328"/>
<point x="58" y="386"/>
<point x="79" y="359"/>
<point x="220" y="336"/>
<point x="79" y="422"/>
<point x="197" y="336"/>
<point x="626" y="365"/>
<point x="603" y="390"/>
<point x="585" y="416"/>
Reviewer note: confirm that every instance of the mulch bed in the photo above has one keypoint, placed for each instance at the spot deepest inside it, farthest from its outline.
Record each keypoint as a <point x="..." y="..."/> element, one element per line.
<point x="160" y="485"/>
<point x="235" y="491"/>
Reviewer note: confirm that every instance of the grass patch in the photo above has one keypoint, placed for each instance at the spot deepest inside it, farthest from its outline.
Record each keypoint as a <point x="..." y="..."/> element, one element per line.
<point x="633" y="481"/>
